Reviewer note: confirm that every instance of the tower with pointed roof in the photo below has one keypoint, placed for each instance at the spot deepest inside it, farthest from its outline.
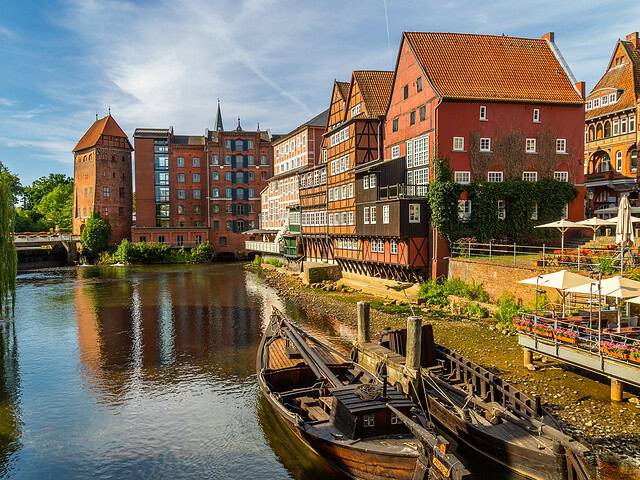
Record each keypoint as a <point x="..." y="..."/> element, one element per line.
<point x="218" y="126"/>
<point x="102" y="178"/>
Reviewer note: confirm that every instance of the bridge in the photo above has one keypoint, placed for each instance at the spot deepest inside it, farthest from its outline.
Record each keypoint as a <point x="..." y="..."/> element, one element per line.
<point x="46" y="249"/>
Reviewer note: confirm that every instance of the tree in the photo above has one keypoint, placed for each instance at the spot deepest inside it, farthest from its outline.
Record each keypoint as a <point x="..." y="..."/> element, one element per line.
<point x="13" y="183"/>
<point x="8" y="256"/>
<point x="55" y="207"/>
<point x="40" y="187"/>
<point x="95" y="236"/>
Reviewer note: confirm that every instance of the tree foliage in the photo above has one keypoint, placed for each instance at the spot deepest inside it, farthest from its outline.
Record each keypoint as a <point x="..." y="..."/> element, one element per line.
<point x="47" y="203"/>
<point x="34" y="193"/>
<point x="56" y="206"/>
<point x="8" y="257"/>
<point x="95" y="236"/>
<point x="13" y="183"/>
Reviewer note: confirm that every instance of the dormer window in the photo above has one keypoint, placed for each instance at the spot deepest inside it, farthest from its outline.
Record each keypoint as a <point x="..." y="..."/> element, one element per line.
<point x="596" y="103"/>
<point x="612" y="97"/>
<point x="483" y="112"/>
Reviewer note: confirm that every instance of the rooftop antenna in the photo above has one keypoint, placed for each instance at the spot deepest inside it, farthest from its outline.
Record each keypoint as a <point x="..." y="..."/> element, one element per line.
<point x="109" y="108"/>
<point x="96" y="116"/>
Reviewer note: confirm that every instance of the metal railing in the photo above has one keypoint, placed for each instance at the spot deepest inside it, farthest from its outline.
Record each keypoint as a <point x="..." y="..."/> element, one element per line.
<point x="267" y="247"/>
<point x="545" y="256"/>
<point x="581" y="336"/>
<point x="402" y="190"/>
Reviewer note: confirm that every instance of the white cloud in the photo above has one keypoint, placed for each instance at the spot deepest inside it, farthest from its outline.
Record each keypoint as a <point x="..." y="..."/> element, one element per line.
<point x="6" y="102"/>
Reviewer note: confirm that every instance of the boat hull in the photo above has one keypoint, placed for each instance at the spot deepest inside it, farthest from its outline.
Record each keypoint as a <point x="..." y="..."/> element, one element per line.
<point x="526" y="462"/>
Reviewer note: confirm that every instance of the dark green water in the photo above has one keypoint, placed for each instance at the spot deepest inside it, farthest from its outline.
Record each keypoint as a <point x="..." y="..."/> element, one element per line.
<point x="141" y="373"/>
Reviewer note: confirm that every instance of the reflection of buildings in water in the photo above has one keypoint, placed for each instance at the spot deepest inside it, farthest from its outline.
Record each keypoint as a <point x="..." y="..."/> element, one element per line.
<point x="267" y="297"/>
<point x="9" y="391"/>
<point x="134" y="330"/>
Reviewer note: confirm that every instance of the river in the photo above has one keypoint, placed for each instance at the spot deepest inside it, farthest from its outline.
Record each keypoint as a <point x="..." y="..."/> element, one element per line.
<point x="141" y="372"/>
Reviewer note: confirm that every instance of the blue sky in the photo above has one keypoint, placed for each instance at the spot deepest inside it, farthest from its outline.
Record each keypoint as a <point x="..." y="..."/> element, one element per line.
<point x="161" y="63"/>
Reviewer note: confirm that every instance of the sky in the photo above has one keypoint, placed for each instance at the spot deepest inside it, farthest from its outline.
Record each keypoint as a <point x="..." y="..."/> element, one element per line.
<point x="161" y="63"/>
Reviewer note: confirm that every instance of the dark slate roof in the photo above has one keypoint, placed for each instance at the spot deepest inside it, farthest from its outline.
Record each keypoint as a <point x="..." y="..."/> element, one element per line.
<point x="187" y="140"/>
<point x="151" y="132"/>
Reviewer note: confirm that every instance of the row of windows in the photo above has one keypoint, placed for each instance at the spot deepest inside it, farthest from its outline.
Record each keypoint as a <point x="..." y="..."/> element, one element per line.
<point x="356" y="110"/>
<point x="614" y="127"/>
<point x="348" y="243"/>
<point x="531" y="145"/>
<point x="370" y="215"/>
<point x="182" y="210"/>
<point x="291" y="145"/>
<point x="197" y="239"/>
<point x="339" y="165"/>
<point x="464" y="210"/>
<point x="240" y="193"/>
<point x="340" y="136"/>
<point x="341" y="193"/>
<point x="341" y="218"/>
<point x="369" y="181"/>
<point x="602" y="101"/>
<point x="419" y="178"/>
<point x="239" y="160"/>
<point x="422" y="112"/>
<point x="237" y="208"/>
<point x="377" y="246"/>
<point x="417" y="151"/>
<point x="195" y="161"/>
<point x="238" y="144"/>
<point x="313" y="179"/>
<point x="314" y="219"/>
<point x="106" y="192"/>
<point x="295" y="162"/>
<point x="464" y="177"/>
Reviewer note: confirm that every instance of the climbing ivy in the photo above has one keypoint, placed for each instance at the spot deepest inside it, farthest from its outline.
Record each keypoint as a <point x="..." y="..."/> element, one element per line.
<point x="520" y="199"/>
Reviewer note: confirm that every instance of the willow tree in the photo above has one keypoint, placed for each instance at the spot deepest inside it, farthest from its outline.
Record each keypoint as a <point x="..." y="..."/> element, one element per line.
<point x="8" y="257"/>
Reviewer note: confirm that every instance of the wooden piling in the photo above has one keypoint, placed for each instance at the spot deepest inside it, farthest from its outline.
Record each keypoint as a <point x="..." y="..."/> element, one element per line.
<point x="617" y="390"/>
<point x="363" y="323"/>
<point x="414" y="342"/>
<point x="528" y="357"/>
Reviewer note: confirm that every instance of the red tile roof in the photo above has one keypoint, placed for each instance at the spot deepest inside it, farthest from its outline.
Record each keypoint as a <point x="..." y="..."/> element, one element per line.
<point x="104" y="126"/>
<point x="343" y="88"/>
<point x="375" y="88"/>
<point x="489" y="67"/>
<point x="625" y="77"/>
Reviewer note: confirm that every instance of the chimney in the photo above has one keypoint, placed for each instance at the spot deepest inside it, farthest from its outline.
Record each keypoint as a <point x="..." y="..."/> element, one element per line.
<point x="582" y="89"/>
<point x="549" y="36"/>
<point x="633" y="38"/>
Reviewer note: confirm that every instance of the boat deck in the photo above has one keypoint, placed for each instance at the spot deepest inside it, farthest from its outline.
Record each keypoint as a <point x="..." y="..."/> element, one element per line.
<point x="278" y="357"/>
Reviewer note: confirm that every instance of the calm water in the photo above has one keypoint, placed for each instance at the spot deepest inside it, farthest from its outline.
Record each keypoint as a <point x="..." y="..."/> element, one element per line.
<point x="141" y="373"/>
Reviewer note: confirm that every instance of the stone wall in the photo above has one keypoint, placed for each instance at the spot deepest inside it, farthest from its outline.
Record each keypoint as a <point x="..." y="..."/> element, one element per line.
<point x="319" y="272"/>
<point x="498" y="279"/>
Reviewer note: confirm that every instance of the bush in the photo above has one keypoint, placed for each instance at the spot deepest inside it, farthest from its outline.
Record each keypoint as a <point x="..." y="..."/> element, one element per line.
<point x="257" y="261"/>
<point x="203" y="253"/>
<point x="150" y="252"/>
<point x="435" y="292"/>
<point x="507" y="309"/>
<point x="476" y="311"/>
<point x="95" y="235"/>
<point x="273" y="261"/>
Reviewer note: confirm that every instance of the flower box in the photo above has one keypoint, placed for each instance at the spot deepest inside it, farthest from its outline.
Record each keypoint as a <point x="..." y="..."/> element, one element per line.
<point x="522" y="327"/>
<point x="569" y="340"/>
<point x="634" y="358"/>
<point x="613" y="352"/>
<point x="543" y="331"/>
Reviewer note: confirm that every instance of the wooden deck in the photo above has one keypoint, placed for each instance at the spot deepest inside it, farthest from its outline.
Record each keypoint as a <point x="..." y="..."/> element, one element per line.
<point x="278" y="357"/>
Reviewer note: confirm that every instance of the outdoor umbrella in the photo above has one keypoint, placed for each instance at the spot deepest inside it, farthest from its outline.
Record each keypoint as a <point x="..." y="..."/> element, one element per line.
<point x="595" y="223"/>
<point x="614" y="220"/>
<point x="561" y="281"/>
<point x="562" y="225"/>
<point x="624" y="228"/>
<point x="617" y="287"/>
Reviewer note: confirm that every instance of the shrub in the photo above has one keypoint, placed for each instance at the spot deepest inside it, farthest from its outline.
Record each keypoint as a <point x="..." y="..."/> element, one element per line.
<point x="257" y="261"/>
<point x="433" y="292"/>
<point x="274" y="261"/>
<point x="476" y="311"/>
<point x="203" y="253"/>
<point x="95" y="235"/>
<point x="507" y="309"/>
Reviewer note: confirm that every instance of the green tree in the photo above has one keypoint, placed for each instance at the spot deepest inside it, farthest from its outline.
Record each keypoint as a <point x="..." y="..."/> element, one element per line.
<point x="55" y="207"/>
<point x="8" y="256"/>
<point x="34" y="193"/>
<point x="95" y="236"/>
<point x="13" y="183"/>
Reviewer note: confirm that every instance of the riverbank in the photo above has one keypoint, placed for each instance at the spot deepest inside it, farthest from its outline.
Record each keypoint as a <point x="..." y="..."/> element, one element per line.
<point x="580" y="404"/>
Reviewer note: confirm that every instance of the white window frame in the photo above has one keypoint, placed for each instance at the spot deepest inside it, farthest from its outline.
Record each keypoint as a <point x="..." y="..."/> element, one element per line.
<point x="615" y="127"/>
<point x="365" y="182"/>
<point x="502" y="210"/>
<point x="385" y="214"/>
<point x="632" y="123"/>
<point x="395" y="152"/>
<point x="485" y="144"/>
<point x="495" y="176"/>
<point x="536" y="115"/>
<point x="561" y="145"/>
<point x="531" y="145"/>
<point x="463" y="177"/>
<point x="618" y="161"/>
<point x="623" y="125"/>
<point x="373" y="215"/>
<point x="483" y="113"/>
<point x="561" y="175"/>
<point x="530" y="176"/>
<point x="414" y="213"/>
<point x="356" y="110"/>
<point x="458" y="144"/>
<point x="464" y="210"/>
<point x="393" y="246"/>
<point x="372" y="180"/>
<point x="366" y="217"/>
<point x="565" y="211"/>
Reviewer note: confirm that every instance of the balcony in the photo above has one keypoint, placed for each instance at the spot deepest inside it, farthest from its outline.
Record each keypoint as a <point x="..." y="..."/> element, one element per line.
<point x="264" y="247"/>
<point x="402" y="190"/>
<point x="604" y="178"/>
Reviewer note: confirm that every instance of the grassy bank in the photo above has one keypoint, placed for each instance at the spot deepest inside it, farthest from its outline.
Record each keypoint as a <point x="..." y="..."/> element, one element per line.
<point x="148" y="253"/>
<point x="581" y="404"/>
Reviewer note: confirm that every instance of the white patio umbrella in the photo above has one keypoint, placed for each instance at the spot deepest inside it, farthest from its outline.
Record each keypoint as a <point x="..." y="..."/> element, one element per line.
<point x="560" y="281"/>
<point x="617" y="287"/>
<point x="562" y="225"/>
<point x="624" y="228"/>
<point x="595" y="223"/>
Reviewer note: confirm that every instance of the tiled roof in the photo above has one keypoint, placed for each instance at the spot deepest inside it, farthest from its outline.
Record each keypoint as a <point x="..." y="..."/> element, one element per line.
<point x="104" y="126"/>
<point x="489" y="67"/>
<point x="343" y="88"/>
<point x="624" y="77"/>
<point x="188" y="140"/>
<point x="319" y="120"/>
<point x="375" y="87"/>
<point x="151" y="132"/>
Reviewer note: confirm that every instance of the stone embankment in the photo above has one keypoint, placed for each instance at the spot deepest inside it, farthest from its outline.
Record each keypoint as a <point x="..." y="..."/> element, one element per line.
<point x="580" y="404"/>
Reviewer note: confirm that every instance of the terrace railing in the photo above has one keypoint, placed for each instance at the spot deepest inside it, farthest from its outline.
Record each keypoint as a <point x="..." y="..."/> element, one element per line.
<point x="573" y="258"/>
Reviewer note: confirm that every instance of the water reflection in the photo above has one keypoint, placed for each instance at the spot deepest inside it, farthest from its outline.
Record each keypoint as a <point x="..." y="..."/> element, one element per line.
<point x="9" y="391"/>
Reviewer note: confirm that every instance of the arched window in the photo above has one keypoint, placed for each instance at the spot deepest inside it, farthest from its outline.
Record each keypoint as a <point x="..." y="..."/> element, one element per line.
<point x="604" y="163"/>
<point x="607" y="129"/>
<point x="618" y="161"/>
<point x="592" y="133"/>
<point x="634" y="159"/>
<point x="599" y="131"/>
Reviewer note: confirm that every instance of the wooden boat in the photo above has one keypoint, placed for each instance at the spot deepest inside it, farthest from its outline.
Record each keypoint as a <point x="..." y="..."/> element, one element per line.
<point x="344" y="413"/>
<point x="491" y="417"/>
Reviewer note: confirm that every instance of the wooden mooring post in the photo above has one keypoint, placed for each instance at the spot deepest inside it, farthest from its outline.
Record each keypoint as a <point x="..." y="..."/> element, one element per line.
<point x="617" y="390"/>
<point x="527" y="357"/>
<point x="363" y="323"/>
<point x="414" y="342"/>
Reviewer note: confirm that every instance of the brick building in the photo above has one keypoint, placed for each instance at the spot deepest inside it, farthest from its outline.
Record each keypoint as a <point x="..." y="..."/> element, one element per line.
<point x="191" y="189"/>
<point x="102" y="178"/>
<point x="611" y="133"/>
<point x="461" y="95"/>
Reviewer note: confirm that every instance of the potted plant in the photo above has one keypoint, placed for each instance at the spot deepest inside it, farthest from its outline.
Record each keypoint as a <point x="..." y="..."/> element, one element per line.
<point x="615" y="349"/>
<point x="543" y="330"/>
<point x="634" y="354"/>
<point x="522" y="324"/>
<point x="567" y="335"/>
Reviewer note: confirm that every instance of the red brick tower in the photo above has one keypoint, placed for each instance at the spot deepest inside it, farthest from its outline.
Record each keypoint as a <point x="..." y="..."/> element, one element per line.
<point x="102" y="178"/>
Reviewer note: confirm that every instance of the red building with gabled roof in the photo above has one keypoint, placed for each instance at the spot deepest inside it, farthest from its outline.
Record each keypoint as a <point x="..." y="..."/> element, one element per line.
<point x="102" y="178"/>
<point x="457" y="96"/>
